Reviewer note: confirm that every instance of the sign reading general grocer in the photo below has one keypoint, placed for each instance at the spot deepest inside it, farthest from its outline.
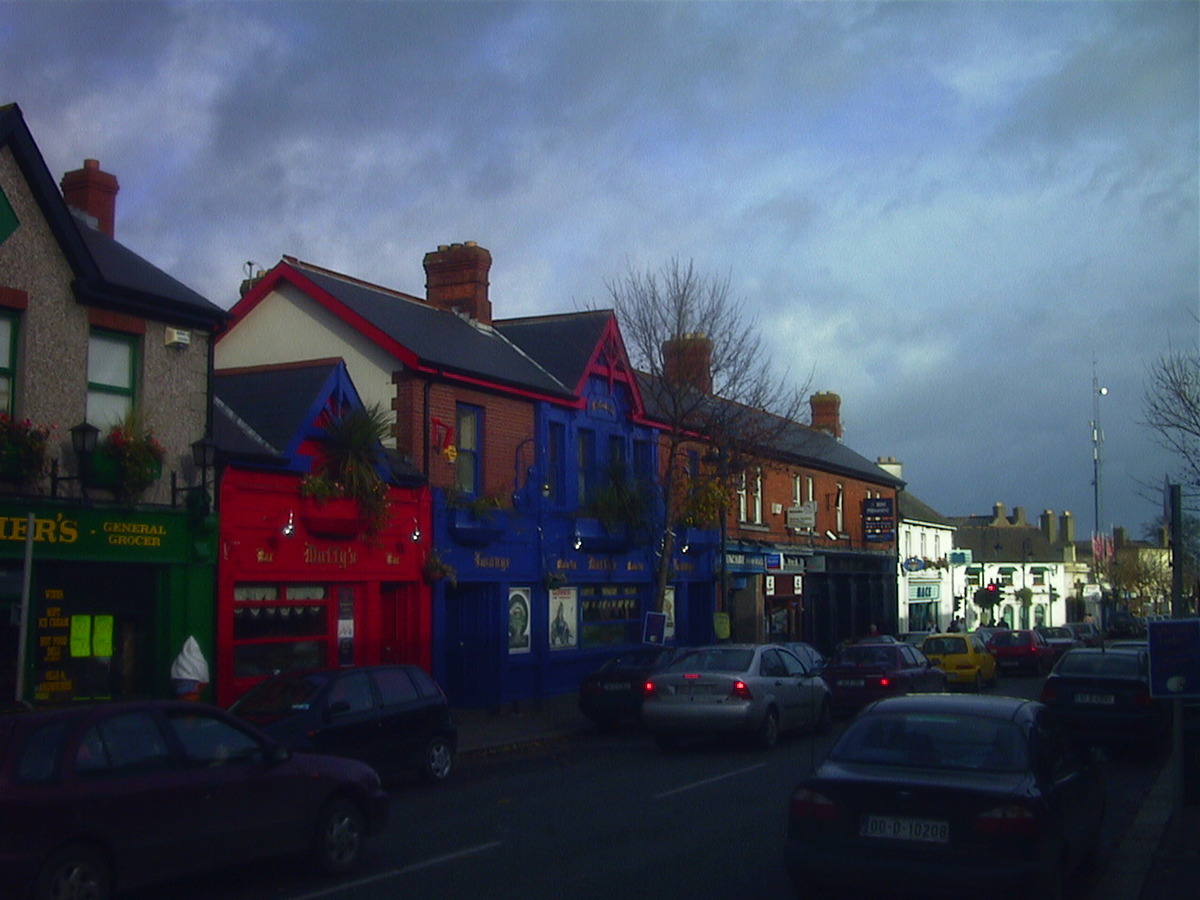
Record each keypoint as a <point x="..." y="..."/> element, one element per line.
<point x="99" y="533"/>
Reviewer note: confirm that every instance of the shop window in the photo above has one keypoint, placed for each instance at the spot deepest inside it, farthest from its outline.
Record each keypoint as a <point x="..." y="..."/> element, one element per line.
<point x="611" y="614"/>
<point x="280" y="628"/>
<point x="840" y="508"/>
<point x="112" y="376"/>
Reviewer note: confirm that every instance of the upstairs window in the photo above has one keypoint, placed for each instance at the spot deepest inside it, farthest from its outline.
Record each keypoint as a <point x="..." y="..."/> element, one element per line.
<point x="555" y="450"/>
<point x="467" y="475"/>
<point x="586" y="465"/>
<point x="840" y="508"/>
<point x="8" y="361"/>
<point x="112" y="376"/>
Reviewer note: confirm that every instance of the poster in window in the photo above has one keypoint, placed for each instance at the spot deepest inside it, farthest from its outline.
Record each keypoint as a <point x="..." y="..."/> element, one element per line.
<point x="518" y="620"/>
<point x="669" y="611"/>
<point x="564" y="618"/>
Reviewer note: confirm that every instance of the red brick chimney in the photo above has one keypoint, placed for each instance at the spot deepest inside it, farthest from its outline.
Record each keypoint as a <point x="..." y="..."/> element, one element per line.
<point x="688" y="360"/>
<point x="93" y="192"/>
<point x="456" y="279"/>
<point x="826" y="412"/>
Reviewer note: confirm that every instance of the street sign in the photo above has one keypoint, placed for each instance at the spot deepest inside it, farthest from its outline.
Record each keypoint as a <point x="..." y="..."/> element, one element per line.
<point x="1175" y="658"/>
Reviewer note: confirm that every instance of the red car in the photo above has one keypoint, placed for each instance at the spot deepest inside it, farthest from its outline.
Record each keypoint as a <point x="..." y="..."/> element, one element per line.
<point x="1022" y="651"/>
<point x="95" y="800"/>
<point x="861" y="673"/>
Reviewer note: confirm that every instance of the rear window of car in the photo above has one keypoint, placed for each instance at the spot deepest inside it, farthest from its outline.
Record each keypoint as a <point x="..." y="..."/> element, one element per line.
<point x="426" y="685"/>
<point x="717" y="660"/>
<point x="944" y="646"/>
<point x="934" y="740"/>
<point x="1101" y="665"/>
<point x="1057" y="632"/>
<point x="395" y="687"/>
<point x="865" y="655"/>
<point x="1009" y="639"/>
<point x="276" y="696"/>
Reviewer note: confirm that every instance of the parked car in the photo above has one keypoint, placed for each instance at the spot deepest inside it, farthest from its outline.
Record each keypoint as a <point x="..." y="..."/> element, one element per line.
<point x="1086" y="633"/>
<point x="935" y="792"/>
<point x="985" y="632"/>
<point x="757" y="690"/>
<point x="812" y="658"/>
<point x="117" y="796"/>
<point x="1104" y="696"/>
<point x="1023" y="650"/>
<point x="869" y="670"/>
<point x="964" y="658"/>
<point x="913" y="637"/>
<point x="1059" y="637"/>
<point x="614" y="692"/>
<point x="394" y="718"/>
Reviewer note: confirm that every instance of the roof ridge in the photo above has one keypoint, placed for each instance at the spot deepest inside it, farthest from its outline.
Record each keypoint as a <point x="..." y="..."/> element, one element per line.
<point x="350" y="279"/>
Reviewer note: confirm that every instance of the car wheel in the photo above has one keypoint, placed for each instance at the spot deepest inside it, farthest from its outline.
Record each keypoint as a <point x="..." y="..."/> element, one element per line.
<point x="768" y="732"/>
<point x="340" y="837"/>
<point x="74" y="873"/>
<point x="438" y="761"/>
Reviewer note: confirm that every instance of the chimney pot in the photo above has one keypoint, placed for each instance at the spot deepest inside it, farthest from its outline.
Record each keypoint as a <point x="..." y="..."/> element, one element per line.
<point x="687" y="360"/>
<point x="826" y="413"/>
<point x="456" y="279"/>
<point x="93" y="192"/>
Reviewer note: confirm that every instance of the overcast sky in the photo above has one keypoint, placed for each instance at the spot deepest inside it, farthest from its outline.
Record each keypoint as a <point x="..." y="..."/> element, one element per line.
<point x="948" y="213"/>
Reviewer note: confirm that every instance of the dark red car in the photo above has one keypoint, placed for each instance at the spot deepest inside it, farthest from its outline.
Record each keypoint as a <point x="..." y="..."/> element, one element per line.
<point x="1023" y="650"/>
<point x="863" y="672"/>
<point x="96" y="800"/>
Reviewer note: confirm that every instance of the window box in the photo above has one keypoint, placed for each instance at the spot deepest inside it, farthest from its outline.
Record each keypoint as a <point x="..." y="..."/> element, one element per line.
<point x="592" y="536"/>
<point x="477" y="528"/>
<point x="337" y="517"/>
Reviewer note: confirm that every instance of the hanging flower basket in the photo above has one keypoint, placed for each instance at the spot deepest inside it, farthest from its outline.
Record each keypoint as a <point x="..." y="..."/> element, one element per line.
<point x="127" y="462"/>
<point x="337" y="517"/>
<point x="22" y="450"/>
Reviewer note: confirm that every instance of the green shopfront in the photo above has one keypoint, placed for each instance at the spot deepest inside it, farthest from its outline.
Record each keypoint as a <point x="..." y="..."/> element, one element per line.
<point x="113" y="594"/>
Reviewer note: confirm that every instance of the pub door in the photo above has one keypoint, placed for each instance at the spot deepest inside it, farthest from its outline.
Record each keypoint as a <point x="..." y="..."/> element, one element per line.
<point x="475" y="634"/>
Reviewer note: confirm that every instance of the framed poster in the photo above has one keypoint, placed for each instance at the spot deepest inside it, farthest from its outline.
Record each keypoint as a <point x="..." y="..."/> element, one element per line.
<point x="669" y="612"/>
<point x="518" y="620"/>
<point x="564" y="618"/>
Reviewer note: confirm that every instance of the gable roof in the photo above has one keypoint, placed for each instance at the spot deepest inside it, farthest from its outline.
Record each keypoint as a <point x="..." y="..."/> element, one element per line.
<point x="269" y="415"/>
<point x="912" y="509"/>
<point x="108" y="275"/>
<point x="423" y="337"/>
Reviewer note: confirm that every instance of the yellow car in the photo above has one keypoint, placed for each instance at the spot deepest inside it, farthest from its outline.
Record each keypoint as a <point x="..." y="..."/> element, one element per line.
<point x="963" y="657"/>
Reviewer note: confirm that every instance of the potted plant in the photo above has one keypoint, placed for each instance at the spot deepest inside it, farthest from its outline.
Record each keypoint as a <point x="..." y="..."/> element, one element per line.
<point x="22" y="450"/>
<point x="476" y="520"/>
<point x="344" y="492"/>
<point x="435" y="569"/>
<point x="128" y="461"/>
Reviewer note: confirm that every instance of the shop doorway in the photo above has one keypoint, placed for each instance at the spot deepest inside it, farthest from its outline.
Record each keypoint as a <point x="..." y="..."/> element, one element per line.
<point x="475" y="634"/>
<point x="403" y="634"/>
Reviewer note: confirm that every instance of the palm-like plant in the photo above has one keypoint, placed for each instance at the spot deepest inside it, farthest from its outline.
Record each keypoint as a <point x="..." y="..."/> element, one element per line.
<point x="347" y="465"/>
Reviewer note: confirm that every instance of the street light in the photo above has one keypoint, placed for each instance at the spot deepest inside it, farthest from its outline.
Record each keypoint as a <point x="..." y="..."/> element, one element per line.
<point x="84" y="438"/>
<point x="1097" y="440"/>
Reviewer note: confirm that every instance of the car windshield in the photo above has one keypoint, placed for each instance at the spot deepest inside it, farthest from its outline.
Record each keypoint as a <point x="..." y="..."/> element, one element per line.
<point x="933" y="740"/>
<point x="944" y="646"/>
<point x="714" y="660"/>
<point x="279" y="695"/>
<point x="1010" y="639"/>
<point x="864" y="655"/>
<point x="1103" y="665"/>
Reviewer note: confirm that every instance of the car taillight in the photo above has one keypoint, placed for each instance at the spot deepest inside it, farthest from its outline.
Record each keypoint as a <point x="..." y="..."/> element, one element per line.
<point x="1009" y="819"/>
<point x="810" y="804"/>
<point x="741" y="691"/>
<point x="1049" y="693"/>
<point x="649" y="691"/>
<point x="884" y="681"/>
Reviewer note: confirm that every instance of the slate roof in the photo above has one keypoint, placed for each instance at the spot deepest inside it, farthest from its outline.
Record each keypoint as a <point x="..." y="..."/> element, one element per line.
<point x="793" y="441"/>
<point x="562" y="344"/>
<point x="441" y="340"/>
<point x="108" y="274"/>
<point x="912" y="509"/>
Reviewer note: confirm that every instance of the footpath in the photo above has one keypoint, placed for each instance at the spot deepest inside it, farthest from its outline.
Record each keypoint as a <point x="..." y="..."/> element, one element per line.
<point x="1158" y="859"/>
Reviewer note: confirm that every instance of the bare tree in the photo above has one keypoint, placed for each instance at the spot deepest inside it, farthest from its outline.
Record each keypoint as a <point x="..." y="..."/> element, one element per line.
<point x="1172" y="409"/>
<point x="707" y="378"/>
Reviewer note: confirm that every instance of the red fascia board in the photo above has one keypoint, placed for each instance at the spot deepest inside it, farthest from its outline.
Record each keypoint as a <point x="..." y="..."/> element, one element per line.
<point x="283" y="272"/>
<point x="497" y="387"/>
<point x="623" y="373"/>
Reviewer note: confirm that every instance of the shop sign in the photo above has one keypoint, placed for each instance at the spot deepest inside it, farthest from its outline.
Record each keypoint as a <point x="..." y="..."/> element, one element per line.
<point x="96" y="534"/>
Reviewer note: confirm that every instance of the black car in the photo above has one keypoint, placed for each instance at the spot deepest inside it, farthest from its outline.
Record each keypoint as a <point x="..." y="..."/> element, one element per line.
<point x="1103" y="694"/>
<point x="948" y="796"/>
<point x="394" y="718"/>
<point x="614" y="692"/>
<point x="96" y="800"/>
<point x="1060" y="638"/>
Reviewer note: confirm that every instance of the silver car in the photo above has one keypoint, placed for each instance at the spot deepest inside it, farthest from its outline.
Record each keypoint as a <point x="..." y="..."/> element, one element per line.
<point x="757" y="690"/>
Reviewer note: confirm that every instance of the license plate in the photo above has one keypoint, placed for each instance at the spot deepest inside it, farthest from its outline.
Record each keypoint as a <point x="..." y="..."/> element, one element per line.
<point x="902" y="829"/>
<point x="616" y="687"/>
<point x="1096" y="699"/>
<point x="850" y="682"/>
